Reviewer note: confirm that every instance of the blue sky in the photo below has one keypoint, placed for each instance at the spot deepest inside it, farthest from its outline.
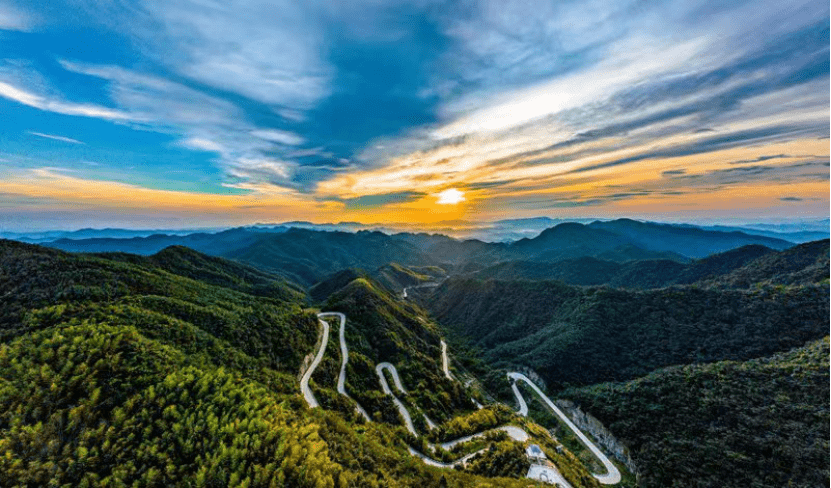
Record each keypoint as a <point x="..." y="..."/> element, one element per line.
<point x="153" y="113"/>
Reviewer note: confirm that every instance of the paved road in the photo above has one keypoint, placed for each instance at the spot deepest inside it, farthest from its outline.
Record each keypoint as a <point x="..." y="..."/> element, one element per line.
<point x="432" y="462"/>
<point x="344" y="354"/>
<point x="304" y="381"/>
<point x="423" y="285"/>
<point x="379" y="369"/>
<point x="514" y="433"/>
<point x="539" y="472"/>
<point x="612" y="475"/>
<point x="523" y="407"/>
<point x="445" y="362"/>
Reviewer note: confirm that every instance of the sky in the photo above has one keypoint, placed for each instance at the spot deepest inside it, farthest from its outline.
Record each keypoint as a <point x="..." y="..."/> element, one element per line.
<point x="197" y="113"/>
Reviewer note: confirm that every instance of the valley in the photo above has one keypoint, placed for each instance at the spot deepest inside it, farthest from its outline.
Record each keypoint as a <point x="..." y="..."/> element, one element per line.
<point x="337" y="360"/>
<point x="536" y="471"/>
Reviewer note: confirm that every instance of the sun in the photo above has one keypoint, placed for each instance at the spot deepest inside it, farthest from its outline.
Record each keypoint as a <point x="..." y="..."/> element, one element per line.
<point x="451" y="196"/>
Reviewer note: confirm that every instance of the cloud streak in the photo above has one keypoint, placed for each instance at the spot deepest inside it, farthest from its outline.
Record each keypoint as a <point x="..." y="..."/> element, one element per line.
<point x="55" y="137"/>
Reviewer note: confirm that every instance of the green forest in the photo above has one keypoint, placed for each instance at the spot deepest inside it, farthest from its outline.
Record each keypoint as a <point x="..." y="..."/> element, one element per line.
<point x="180" y="369"/>
<point x="759" y="423"/>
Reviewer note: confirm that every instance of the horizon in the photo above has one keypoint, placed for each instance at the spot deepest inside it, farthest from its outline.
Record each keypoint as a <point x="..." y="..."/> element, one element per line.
<point x="194" y="115"/>
<point x="481" y="230"/>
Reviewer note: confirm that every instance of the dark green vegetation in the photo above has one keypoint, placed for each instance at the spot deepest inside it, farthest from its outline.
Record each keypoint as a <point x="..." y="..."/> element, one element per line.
<point x="580" y="336"/>
<point x="128" y="371"/>
<point x="600" y="334"/>
<point x="743" y="412"/>
<point x="381" y="327"/>
<point x="303" y="256"/>
<point x="307" y="256"/>
<point x="396" y="277"/>
<point x="177" y="368"/>
<point x="737" y="268"/>
<point x="759" y="423"/>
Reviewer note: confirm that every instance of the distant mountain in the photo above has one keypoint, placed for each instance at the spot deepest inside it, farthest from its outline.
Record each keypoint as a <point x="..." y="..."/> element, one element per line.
<point x="303" y="256"/>
<point x="36" y="237"/>
<point x="690" y="242"/>
<point x="737" y="268"/>
<point x="797" y="236"/>
<point x="215" y="244"/>
<point x="307" y="256"/>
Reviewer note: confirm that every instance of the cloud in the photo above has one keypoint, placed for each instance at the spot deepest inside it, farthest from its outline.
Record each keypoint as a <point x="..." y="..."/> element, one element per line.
<point x="13" y="19"/>
<point x="279" y="136"/>
<point x="201" y="121"/>
<point x="761" y="159"/>
<point x="374" y="201"/>
<point x="268" y="51"/>
<point x="55" y="138"/>
<point x="791" y="199"/>
<point x="24" y="97"/>
<point x="202" y="144"/>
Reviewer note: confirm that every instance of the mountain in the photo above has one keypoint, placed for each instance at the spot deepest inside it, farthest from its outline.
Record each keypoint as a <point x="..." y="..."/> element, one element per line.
<point x="303" y="256"/>
<point x="215" y="244"/>
<point x="164" y="371"/>
<point x="762" y="422"/>
<point x="805" y="263"/>
<point x="578" y="336"/>
<point x="737" y="268"/>
<point x="309" y="256"/>
<point x="787" y="234"/>
<point x="395" y="277"/>
<point x="690" y="242"/>
<point x="383" y="328"/>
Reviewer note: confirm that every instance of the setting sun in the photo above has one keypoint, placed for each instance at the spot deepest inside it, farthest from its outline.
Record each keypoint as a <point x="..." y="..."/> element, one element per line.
<point x="451" y="196"/>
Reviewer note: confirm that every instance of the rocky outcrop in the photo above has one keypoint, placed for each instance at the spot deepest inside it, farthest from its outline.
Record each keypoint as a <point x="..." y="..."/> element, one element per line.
<point x="587" y="423"/>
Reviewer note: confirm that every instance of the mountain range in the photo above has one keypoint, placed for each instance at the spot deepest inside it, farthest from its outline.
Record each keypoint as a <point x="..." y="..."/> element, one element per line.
<point x="691" y="356"/>
<point x="308" y="256"/>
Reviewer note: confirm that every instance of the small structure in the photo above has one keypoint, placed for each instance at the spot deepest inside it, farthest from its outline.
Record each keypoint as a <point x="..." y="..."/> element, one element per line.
<point x="535" y="454"/>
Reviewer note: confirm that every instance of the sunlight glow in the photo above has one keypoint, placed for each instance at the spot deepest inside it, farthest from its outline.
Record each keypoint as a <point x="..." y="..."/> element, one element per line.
<point x="450" y="196"/>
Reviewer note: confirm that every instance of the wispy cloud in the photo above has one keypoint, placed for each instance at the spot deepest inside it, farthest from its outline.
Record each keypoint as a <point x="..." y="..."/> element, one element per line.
<point x="14" y="19"/>
<point x="55" y="137"/>
<point x="203" y="122"/>
<point x="25" y="97"/>
<point x="569" y="104"/>
<point x="269" y="51"/>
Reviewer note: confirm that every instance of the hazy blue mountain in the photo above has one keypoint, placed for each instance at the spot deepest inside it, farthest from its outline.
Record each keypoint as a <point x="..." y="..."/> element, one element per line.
<point x="690" y="242"/>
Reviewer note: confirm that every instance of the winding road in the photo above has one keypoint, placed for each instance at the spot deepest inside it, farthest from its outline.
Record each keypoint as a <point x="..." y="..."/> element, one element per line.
<point x="612" y="475"/>
<point x="304" y="380"/>
<point x="537" y="471"/>
<point x="344" y="354"/>
<point x="445" y="362"/>
<point x="423" y="285"/>
<point x="379" y="369"/>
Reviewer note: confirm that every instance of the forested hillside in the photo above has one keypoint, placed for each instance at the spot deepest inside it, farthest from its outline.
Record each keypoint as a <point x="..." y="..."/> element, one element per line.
<point x="165" y="371"/>
<point x="737" y="268"/>
<point x="383" y="328"/>
<point x="579" y="336"/>
<point x="308" y="256"/>
<point x="760" y="423"/>
<point x="302" y="256"/>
